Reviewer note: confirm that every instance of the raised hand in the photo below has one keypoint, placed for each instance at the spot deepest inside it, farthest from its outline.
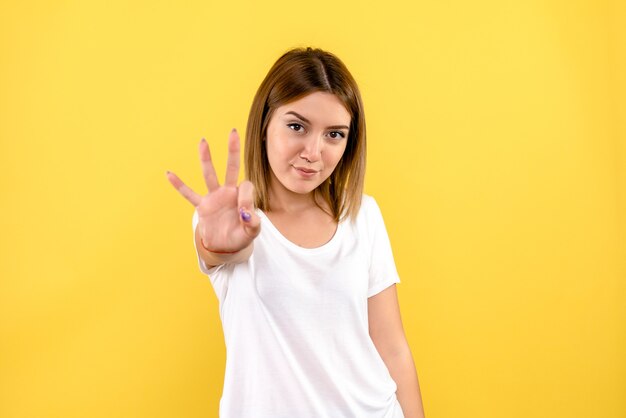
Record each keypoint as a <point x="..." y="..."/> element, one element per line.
<point x="227" y="222"/>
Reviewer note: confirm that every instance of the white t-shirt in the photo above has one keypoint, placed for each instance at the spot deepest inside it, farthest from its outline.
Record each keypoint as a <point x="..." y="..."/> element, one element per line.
<point x="296" y="328"/>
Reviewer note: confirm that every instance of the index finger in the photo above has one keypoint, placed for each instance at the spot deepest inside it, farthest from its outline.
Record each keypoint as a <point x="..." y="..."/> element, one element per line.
<point x="232" y="166"/>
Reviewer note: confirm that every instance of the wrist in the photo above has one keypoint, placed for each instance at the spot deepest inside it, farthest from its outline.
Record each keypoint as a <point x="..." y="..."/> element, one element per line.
<point x="215" y="251"/>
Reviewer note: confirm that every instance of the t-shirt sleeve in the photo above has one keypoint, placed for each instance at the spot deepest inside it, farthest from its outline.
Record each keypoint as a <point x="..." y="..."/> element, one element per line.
<point x="382" y="272"/>
<point x="217" y="274"/>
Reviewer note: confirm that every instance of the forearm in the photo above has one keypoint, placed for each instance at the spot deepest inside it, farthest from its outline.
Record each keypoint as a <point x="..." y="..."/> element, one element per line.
<point x="402" y="370"/>
<point x="214" y="259"/>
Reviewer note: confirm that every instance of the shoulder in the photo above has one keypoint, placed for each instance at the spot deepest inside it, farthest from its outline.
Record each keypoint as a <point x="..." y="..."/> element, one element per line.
<point x="369" y="215"/>
<point x="367" y="200"/>
<point x="369" y="207"/>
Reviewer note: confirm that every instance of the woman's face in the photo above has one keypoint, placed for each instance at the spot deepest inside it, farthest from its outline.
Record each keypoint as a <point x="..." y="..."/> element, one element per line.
<point x="305" y="141"/>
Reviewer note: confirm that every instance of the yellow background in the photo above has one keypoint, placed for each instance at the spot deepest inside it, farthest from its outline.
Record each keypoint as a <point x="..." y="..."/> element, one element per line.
<point x="496" y="152"/>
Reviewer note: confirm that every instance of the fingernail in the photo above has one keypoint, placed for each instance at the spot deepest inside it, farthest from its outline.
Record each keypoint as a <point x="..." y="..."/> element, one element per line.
<point x="234" y="130"/>
<point x="203" y="140"/>
<point x="167" y="172"/>
<point x="245" y="216"/>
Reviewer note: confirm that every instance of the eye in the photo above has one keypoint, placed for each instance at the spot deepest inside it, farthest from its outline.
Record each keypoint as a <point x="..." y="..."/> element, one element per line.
<point x="295" y="126"/>
<point x="337" y="135"/>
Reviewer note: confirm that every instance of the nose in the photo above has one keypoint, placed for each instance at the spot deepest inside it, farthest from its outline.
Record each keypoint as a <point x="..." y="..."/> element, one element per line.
<point x="312" y="150"/>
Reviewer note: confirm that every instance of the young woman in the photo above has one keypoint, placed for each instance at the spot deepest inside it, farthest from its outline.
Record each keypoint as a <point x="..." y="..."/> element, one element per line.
<point x="300" y="259"/>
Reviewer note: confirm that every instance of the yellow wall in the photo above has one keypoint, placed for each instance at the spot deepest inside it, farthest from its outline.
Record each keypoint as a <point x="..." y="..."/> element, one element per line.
<point x="496" y="152"/>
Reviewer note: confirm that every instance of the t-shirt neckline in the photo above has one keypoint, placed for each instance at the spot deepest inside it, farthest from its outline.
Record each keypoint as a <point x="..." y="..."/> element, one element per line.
<point x="330" y="244"/>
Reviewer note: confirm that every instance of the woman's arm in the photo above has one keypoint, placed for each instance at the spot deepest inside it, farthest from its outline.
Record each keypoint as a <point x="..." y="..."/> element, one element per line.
<point x="387" y="333"/>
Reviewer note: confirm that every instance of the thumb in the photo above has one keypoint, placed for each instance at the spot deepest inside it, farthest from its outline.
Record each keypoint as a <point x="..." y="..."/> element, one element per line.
<point x="247" y="216"/>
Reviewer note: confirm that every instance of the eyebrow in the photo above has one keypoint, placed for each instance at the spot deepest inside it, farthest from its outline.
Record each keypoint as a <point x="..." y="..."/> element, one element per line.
<point x="307" y="121"/>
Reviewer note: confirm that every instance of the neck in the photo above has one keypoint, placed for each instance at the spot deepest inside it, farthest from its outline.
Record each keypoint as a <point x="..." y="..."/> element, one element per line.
<point x="286" y="201"/>
<point x="290" y="202"/>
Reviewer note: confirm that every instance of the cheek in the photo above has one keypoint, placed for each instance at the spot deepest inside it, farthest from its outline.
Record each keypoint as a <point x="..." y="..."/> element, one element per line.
<point x="271" y="155"/>
<point x="335" y="157"/>
<point x="277" y="150"/>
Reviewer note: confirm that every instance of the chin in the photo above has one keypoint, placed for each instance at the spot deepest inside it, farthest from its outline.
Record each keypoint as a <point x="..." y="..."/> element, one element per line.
<point x="301" y="189"/>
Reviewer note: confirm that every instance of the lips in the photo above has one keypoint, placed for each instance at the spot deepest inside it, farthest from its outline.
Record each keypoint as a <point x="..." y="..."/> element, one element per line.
<point x="306" y="170"/>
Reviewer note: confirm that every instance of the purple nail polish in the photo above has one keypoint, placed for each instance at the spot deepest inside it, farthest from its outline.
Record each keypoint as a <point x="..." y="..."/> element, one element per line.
<point x="245" y="215"/>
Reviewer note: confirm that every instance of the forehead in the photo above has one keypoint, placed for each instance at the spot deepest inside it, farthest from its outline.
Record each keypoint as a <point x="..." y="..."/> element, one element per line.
<point x="318" y="107"/>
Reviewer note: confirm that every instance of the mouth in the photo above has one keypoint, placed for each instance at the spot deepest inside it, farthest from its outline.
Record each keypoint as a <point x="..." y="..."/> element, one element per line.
<point x="305" y="170"/>
<point x="305" y="173"/>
